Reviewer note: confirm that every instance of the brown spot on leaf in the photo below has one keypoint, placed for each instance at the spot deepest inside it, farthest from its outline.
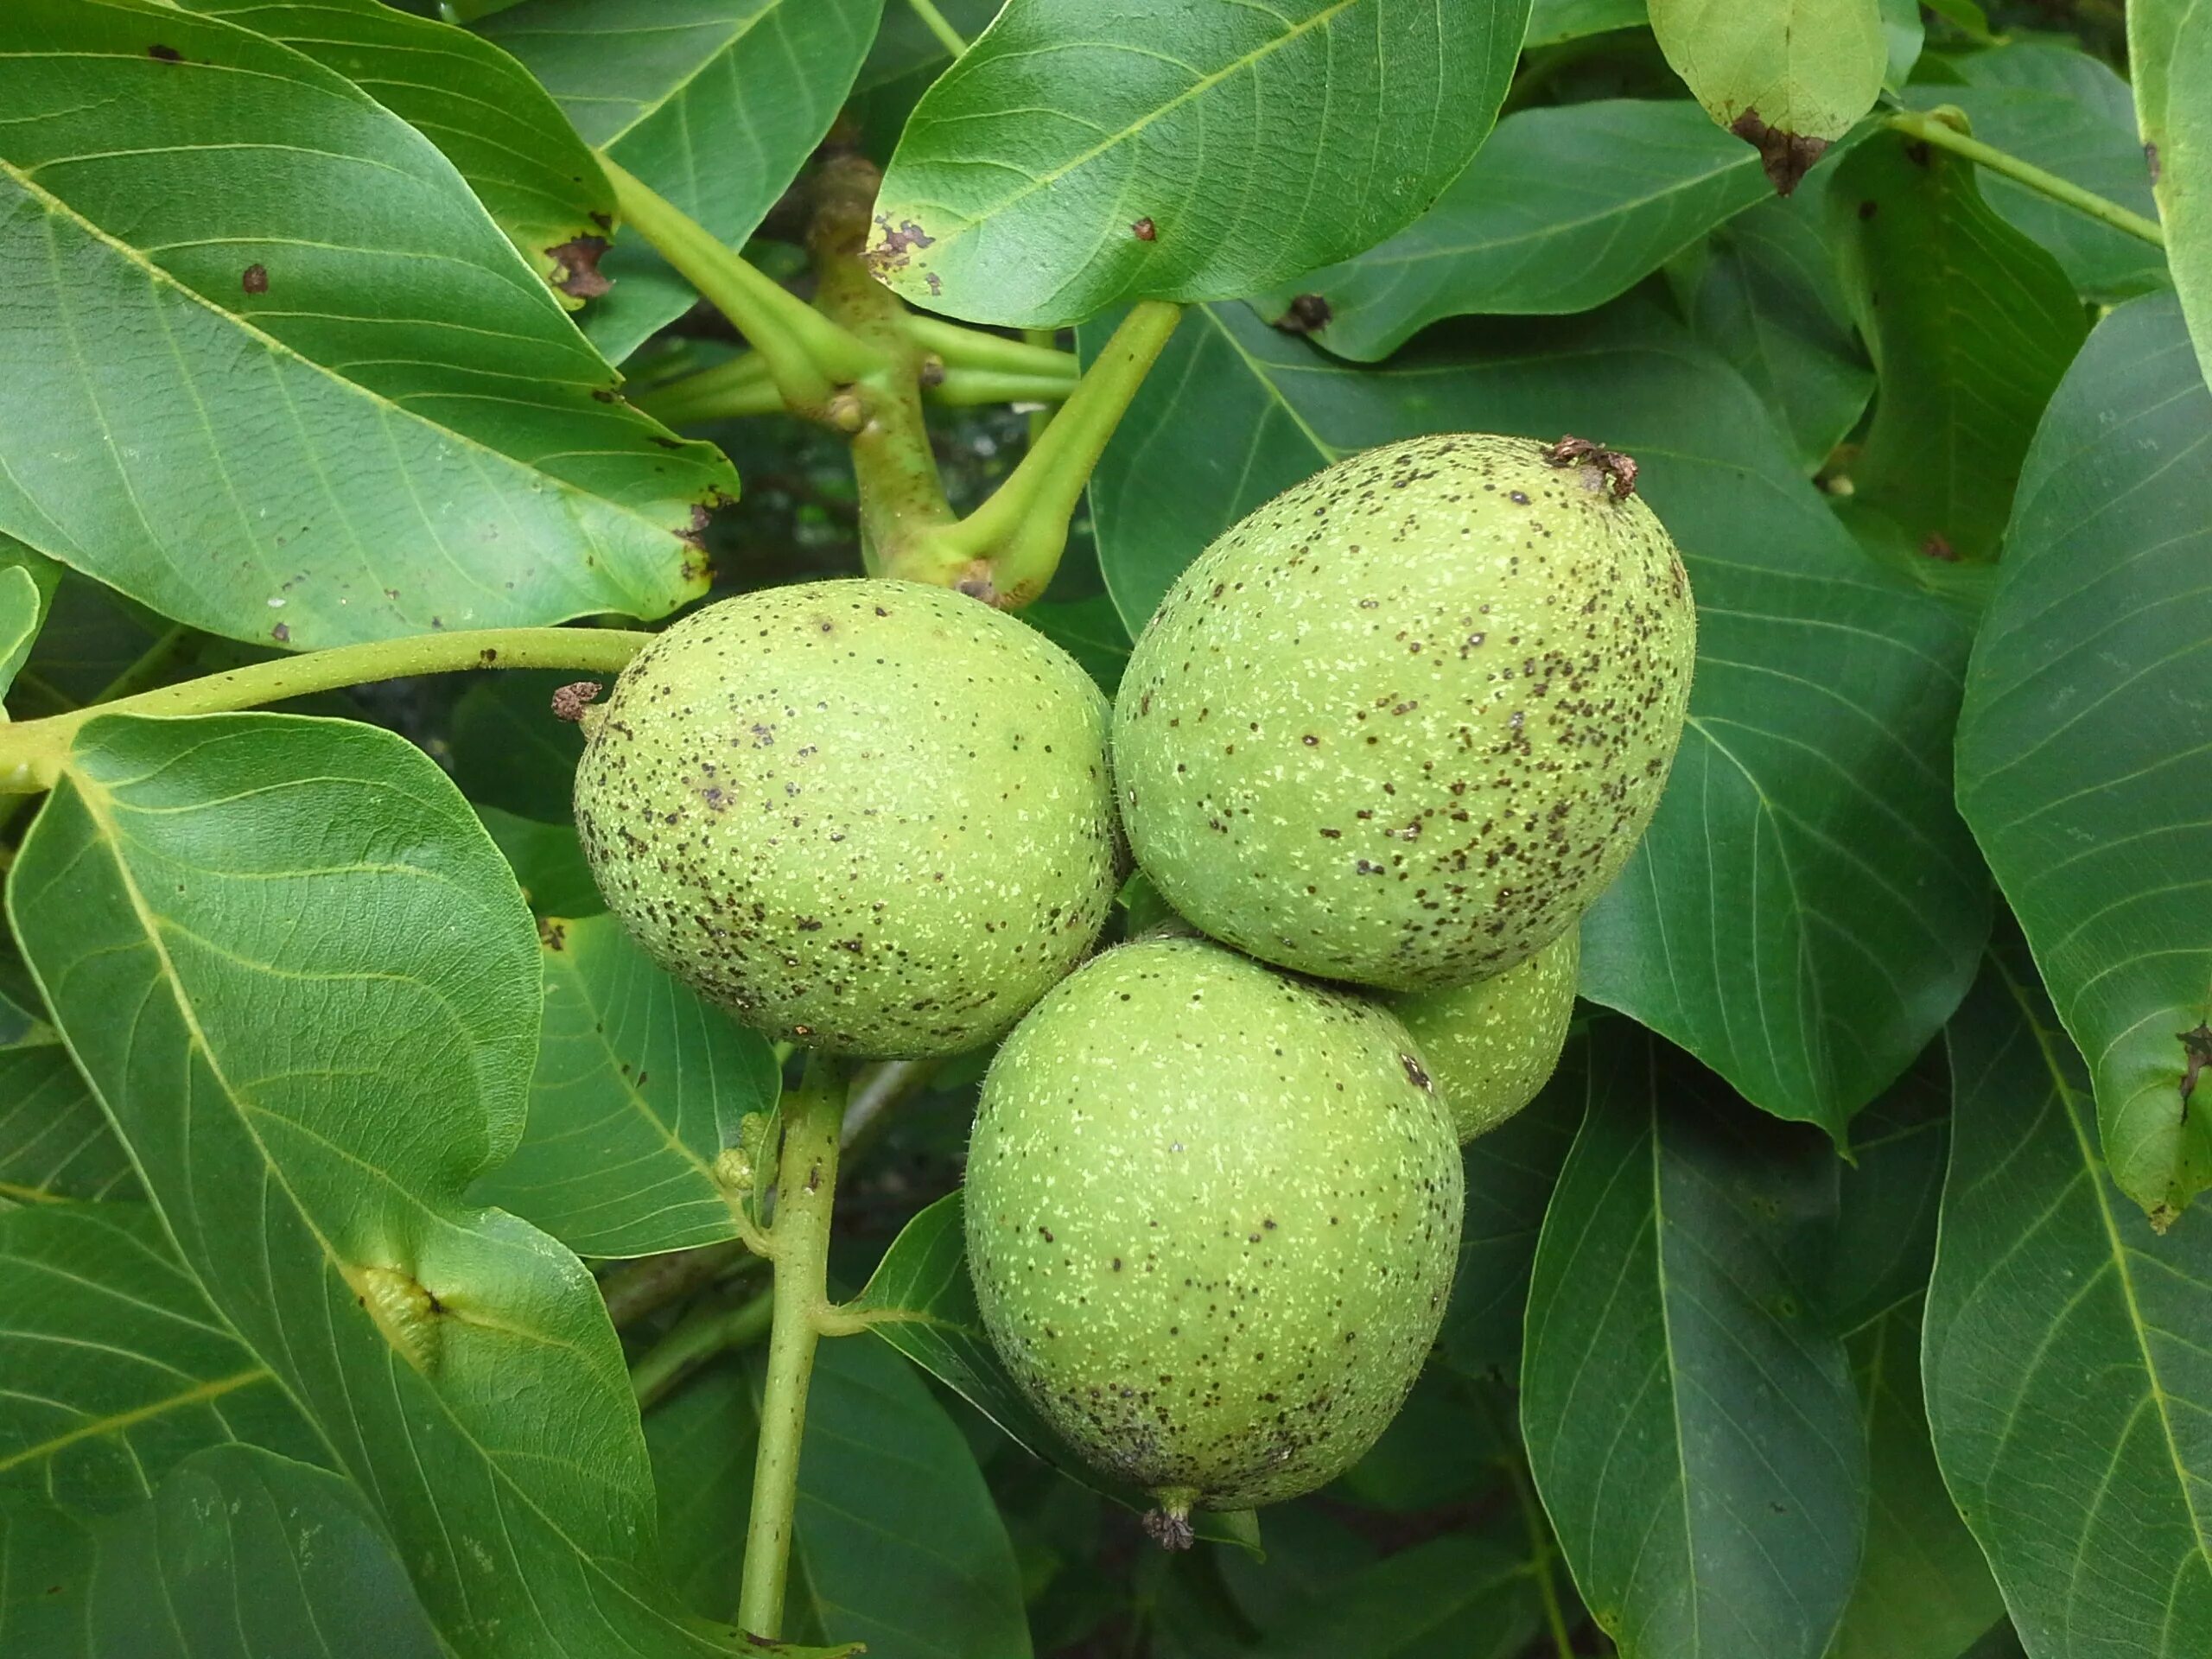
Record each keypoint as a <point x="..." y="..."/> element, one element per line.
<point x="1787" y="156"/>
<point x="553" y="935"/>
<point x="1144" y="231"/>
<point x="1867" y="210"/>
<point x="576" y="267"/>
<point x="2197" y="1049"/>
<point x="1937" y="547"/>
<point x="162" y="54"/>
<point x="281" y="633"/>
<point x="899" y="240"/>
<point x="1308" y="314"/>
<point x="256" y="280"/>
<point x="2150" y="161"/>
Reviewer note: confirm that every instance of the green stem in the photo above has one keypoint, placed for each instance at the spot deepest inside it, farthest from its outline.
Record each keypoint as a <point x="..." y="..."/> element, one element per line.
<point x="966" y="388"/>
<point x="694" y="1340"/>
<point x="807" y="355"/>
<point x="806" y="1184"/>
<point x="901" y="494"/>
<point x="1514" y="1461"/>
<point x="958" y="346"/>
<point x="1018" y="535"/>
<point x="31" y="754"/>
<point x="1043" y="338"/>
<point x="1945" y="130"/>
<point x="935" y="22"/>
<point x="740" y="387"/>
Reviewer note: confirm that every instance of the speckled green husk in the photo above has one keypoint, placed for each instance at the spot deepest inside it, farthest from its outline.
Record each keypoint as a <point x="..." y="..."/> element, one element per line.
<point x="1492" y="1045"/>
<point x="1402" y="724"/>
<point x="870" y="816"/>
<point x="1212" y="1215"/>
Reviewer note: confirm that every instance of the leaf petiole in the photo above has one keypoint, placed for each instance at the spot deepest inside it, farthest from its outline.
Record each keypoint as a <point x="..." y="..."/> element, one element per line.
<point x="32" y="753"/>
<point x="1946" y="128"/>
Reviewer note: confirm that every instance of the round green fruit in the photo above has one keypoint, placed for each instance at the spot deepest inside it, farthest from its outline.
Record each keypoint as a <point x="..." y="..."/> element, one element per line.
<point x="871" y="817"/>
<point x="1213" y="1214"/>
<point x="1492" y="1045"/>
<point x="1403" y="723"/>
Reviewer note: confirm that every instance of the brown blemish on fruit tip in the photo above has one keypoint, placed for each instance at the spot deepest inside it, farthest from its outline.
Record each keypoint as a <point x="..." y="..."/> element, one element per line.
<point x="1597" y="462"/>
<point x="576" y="267"/>
<point x="1170" y="1530"/>
<point x="1308" y="314"/>
<point x="1787" y="156"/>
<point x="255" y="279"/>
<point x="569" y="701"/>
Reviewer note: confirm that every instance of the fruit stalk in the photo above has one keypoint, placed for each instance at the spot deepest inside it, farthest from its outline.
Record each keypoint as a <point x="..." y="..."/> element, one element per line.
<point x="32" y="753"/>
<point x="806" y="1184"/>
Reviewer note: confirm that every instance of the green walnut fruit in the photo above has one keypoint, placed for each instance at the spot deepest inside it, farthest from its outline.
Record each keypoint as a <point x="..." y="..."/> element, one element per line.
<point x="1492" y="1045"/>
<point x="1405" y="721"/>
<point x="1213" y="1214"/>
<point x="871" y="817"/>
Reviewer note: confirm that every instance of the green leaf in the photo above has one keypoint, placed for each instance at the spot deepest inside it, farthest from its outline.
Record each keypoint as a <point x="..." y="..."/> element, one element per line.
<point x="2081" y="746"/>
<point x="1768" y="301"/>
<point x="92" y="634"/>
<point x="1561" y="211"/>
<point x="548" y="861"/>
<point x="1690" y="1421"/>
<point x="715" y="104"/>
<point x="539" y="182"/>
<point x="1885" y="1222"/>
<point x="922" y="1283"/>
<point x="1467" y="1594"/>
<point x="1090" y="630"/>
<point x="239" y="1553"/>
<point x="305" y="988"/>
<point x="1970" y="324"/>
<point x="2069" y="113"/>
<point x="1807" y="908"/>
<point x="53" y="1141"/>
<point x="895" y="1540"/>
<point x="1551" y="21"/>
<point x="1510" y="1172"/>
<point x="1923" y="1590"/>
<point x="2065" y="1357"/>
<point x="1254" y="142"/>
<point x="905" y="45"/>
<point x="1788" y="76"/>
<point x="511" y="751"/>
<point x="113" y="1368"/>
<point x="640" y="1084"/>
<point x="22" y="607"/>
<point x="2170" y="46"/>
<point x="1903" y="36"/>
<point x="368" y="415"/>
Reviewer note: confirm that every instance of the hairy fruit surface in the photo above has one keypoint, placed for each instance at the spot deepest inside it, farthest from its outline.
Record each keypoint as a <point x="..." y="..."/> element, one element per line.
<point x="1402" y="724"/>
<point x="870" y="816"/>
<point x="1212" y="1216"/>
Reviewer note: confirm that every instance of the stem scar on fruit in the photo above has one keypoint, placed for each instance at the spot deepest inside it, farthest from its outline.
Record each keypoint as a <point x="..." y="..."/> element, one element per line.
<point x="1570" y="451"/>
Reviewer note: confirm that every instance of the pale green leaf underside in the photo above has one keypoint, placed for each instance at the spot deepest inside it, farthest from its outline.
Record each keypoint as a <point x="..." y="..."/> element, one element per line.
<point x="2084" y="737"/>
<point x="2068" y="1383"/>
<point x="1561" y="210"/>
<point x="1807" y="908"/>
<point x="715" y="104"/>
<point x="1256" y="142"/>
<point x="539" y="182"/>
<point x="292" y="385"/>
<point x="640" y="1084"/>
<point x="305" y="988"/>
<point x="1809" y="67"/>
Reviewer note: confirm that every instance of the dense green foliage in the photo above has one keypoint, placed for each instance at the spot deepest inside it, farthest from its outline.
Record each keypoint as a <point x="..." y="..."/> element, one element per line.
<point x="395" y="1260"/>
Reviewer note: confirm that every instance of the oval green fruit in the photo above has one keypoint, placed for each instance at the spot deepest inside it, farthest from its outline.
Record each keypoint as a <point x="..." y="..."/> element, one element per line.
<point x="1212" y="1216"/>
<point x="1492" y="1045"/>
<point x="1402" y="724"/>
<point x="871" y="817"/>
